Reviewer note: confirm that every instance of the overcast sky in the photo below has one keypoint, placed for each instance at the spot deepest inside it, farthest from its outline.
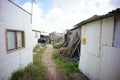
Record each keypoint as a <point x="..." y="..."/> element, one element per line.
<point x="59" y="15"/>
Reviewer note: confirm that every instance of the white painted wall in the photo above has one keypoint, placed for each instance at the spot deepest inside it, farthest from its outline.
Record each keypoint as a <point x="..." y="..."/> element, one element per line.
<point x="110" y="55"/>
<point x="110" y="64"/>
<point x="12" y="17"/>
<point x="35" y="39"/>
<point x="117" y="32"/>
<point x="90" y="60"/>
<point x="107" y="31"/>
<point x="102" y="64"/>
<point x="93" y="38"/>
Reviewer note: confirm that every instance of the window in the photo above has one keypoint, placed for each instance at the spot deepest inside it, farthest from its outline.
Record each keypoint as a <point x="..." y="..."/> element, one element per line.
<point x="19" y="39"/>
<point x="11" y="40"/>
<point x="14" y="39"/>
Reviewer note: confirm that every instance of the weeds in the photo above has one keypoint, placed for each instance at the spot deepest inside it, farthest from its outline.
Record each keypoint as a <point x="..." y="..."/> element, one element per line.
<point x="57" y="46"/>
<point x="67" y="67"/>
<point x="35" y="71"/>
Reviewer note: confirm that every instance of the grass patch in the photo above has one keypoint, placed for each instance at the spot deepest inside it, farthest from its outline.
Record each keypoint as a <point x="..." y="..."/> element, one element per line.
<point x="65" y="66"/>
<point x="35" y="71"/>
<point x="57" y="46"/>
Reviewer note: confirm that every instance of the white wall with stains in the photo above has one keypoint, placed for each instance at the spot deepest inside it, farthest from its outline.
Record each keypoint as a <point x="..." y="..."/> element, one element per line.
<point x="110" y="64"/>
<point x="90" y="51"/>
<point x="13" y="17"/>
<point x="101" y="63"/>
<point x="36" y="36"/>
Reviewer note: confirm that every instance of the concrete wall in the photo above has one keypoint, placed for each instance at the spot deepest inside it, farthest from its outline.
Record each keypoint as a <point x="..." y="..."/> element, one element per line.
<point x="12" y="17"/>
<point x="101" y="62"/>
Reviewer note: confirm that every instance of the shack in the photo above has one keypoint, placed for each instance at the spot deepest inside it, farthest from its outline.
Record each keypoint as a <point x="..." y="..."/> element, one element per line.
<point x="100" y="47"/>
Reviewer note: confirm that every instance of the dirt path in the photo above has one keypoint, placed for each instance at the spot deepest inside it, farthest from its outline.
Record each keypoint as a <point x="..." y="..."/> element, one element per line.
<point x="52" y="72"/>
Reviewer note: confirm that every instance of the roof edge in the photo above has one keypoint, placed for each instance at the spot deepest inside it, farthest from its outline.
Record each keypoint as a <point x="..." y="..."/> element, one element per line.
<point x="97" y="17"/>
<point x="19" y="7"/>
<point x="36" y="30"/>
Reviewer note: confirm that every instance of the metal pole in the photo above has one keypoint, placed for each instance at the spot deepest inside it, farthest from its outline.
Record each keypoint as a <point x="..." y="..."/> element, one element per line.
<point x="32" y="8"/>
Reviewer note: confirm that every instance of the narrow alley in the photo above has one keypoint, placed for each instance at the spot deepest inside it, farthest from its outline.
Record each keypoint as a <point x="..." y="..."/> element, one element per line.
<point x="52" y="72"/>
<point x="59" y="40"/>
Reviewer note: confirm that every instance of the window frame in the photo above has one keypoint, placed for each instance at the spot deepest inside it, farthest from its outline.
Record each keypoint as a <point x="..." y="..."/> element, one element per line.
<point x="16" y="43"/>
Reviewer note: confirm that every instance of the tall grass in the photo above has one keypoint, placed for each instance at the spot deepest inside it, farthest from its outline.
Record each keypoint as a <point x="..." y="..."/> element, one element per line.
<point x="35" y="71"/>
<point x="65" y="66"/>
<point x="57" y="46"/>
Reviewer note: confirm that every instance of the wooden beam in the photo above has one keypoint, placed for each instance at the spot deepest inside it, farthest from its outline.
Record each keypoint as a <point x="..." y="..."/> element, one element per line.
<point x="75" y="47"/>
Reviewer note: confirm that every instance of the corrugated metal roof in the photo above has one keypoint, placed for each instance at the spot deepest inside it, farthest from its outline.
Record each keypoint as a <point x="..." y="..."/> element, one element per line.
<point x="97" y="17"/>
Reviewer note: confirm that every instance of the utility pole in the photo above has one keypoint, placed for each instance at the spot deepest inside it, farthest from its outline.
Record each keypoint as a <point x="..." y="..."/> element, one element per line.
<point x="32" y="1"/>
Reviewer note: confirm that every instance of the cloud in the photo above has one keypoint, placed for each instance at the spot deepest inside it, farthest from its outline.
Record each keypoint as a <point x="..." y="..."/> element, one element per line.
<point x="66" y="13"/>
<point x="55" y="19"/>
<point x="55" y="15"/>
<point x="37" y="14"/>
<point x="78" y="10"/>
<point x="43" y="24"/>
<point x="115" y="3"/>
<point x="72" y="6"/>
<point x="27" y="6"/>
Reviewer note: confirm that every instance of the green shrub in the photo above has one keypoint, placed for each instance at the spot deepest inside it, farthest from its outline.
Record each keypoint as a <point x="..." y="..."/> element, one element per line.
<point x="17" y="74"/>
<point x="36" y="48"/>
<point x="35" y="71"/>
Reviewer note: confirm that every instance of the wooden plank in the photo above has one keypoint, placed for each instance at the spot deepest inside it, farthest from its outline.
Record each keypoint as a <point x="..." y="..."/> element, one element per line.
<point x="16" y="46"/>
<point x="23" y="39"/>
<point x="75" y="47"/>
<point x="70" y="44"/>
<point x="65" y="44"/>
<point x="6" y="40"/>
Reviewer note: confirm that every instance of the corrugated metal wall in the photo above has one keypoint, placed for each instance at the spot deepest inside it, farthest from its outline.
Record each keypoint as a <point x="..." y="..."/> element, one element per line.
<point x="99" y="58"/>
